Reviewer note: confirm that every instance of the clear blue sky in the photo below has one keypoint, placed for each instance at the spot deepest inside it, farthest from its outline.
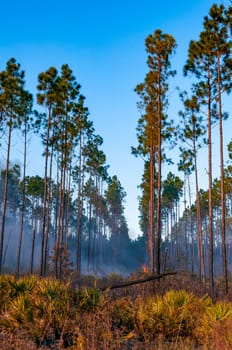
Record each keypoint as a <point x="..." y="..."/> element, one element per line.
<point x="103" y="42"/>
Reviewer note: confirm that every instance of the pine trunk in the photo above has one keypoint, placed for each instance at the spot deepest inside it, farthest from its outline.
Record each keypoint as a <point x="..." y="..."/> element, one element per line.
<point x="45" y="196"/>
<point x="210" y="204"/>
<point x="5" y="195"/>
<point x="223" y="208"/>
<point x="159" y="145"/>
<point x="23" y="202"/>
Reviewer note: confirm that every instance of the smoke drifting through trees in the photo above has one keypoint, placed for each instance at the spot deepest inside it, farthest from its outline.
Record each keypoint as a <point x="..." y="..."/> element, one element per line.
<point x="73" y="218"/>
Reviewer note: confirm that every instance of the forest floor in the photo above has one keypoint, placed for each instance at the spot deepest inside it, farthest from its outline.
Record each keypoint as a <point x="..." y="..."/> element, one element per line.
<point x="174" y="312"/>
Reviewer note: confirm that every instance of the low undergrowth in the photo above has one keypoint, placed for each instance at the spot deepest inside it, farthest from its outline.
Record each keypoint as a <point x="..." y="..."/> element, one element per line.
<point x="48" y="314"/>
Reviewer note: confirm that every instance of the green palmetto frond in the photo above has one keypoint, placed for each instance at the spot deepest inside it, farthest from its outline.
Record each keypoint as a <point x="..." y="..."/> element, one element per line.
<point x="23" y="285"/>
<point x="218" y="312"/>
<point x="213" y="316"/>
<point x="19" y="313"/>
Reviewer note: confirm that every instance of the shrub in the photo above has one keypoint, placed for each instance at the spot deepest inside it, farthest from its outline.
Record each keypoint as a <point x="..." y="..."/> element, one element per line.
<point x="174" y="315"/>
<point x="87" y="299"/>
<point x="215" y="325"/>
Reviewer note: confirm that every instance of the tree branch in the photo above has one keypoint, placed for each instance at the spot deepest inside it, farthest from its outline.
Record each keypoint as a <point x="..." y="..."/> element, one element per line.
<point x="138" y="281"/>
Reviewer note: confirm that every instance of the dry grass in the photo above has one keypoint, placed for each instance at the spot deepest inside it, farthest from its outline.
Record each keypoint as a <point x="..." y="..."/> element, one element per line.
<point x="174" y="313"/>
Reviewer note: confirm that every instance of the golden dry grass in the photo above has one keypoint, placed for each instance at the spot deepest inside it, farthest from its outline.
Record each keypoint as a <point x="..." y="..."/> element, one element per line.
<point x="174" y="313"/>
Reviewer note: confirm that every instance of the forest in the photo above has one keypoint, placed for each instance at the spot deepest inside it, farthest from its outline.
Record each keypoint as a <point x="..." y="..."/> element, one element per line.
<point x="69" y="225"/>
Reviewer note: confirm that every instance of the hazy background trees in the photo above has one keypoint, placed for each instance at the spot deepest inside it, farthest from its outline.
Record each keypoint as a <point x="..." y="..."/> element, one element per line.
<point x="71" y="217"/>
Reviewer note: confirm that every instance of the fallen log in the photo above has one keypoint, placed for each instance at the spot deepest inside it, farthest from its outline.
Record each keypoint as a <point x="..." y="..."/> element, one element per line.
<point x="138" y="281"/>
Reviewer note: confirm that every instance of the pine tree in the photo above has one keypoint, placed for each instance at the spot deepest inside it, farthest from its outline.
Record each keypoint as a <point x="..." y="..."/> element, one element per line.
<point x="217" y="26"/>
<point x="205" y="58"/>
<point x="191" y="134"/>
<point x="46" y="96"/>
<point x="202" y="64"/>
<point x="153" y="128"/>
<point x="26" y="111"/>
<point x="11" y="90"/>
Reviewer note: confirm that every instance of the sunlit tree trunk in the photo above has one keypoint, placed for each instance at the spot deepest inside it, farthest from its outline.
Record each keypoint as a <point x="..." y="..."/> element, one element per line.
<point x="23" y="201"/>
<point x="159" y="160"/>
<point x="79" y="208"/>
<point x="58" y="251"/>
<point x="44" y="210"/>
<point x="191" y="226"/>
<point x="48" y="221"/>
<point x="201" y="260"/>
<point x="210" y="198"/>
<point x="222" y="181"/>
<point x="151" y="209"/>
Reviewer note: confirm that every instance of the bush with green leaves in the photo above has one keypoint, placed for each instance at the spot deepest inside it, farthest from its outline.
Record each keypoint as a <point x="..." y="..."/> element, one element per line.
<point x="174" y="315"/>
<point x="215" y="325"/>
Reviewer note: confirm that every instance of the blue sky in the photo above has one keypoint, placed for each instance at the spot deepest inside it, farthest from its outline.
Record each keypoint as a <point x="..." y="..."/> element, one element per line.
<point x="103" y="42"/>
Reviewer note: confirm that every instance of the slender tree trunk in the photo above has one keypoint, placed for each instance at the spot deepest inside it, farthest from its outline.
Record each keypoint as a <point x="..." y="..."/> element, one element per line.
<point x="97" y="227"/>
<point x="5" y="195"/>
<point x="59" y="229"/>
<point x="48" y="217"/>
<point x="67" y="210"/>
<point x="185" y="226"/>
<point x="45" y="196"/>
<point x="201" y="260"/>
<point x="89" y="251"/>
<point x="151" y="209"/>
<point x="89" y="242"/>
<point x="210" y="224"/>
<point x="191" y="226"/>
<point x="66" y="187"/>
<point x="79" y="217"/>
<point x="34" y="225"/>
<point x="23" y="201"/>
<point x="159" y="143"/>
<point x="176" y="232"/>
<point x="223" y="207"/>
<point x="57" y="204"/>
<point x="63" y="199"/>
<point x="6" y="248"/>
<point x="171" y="235"/>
